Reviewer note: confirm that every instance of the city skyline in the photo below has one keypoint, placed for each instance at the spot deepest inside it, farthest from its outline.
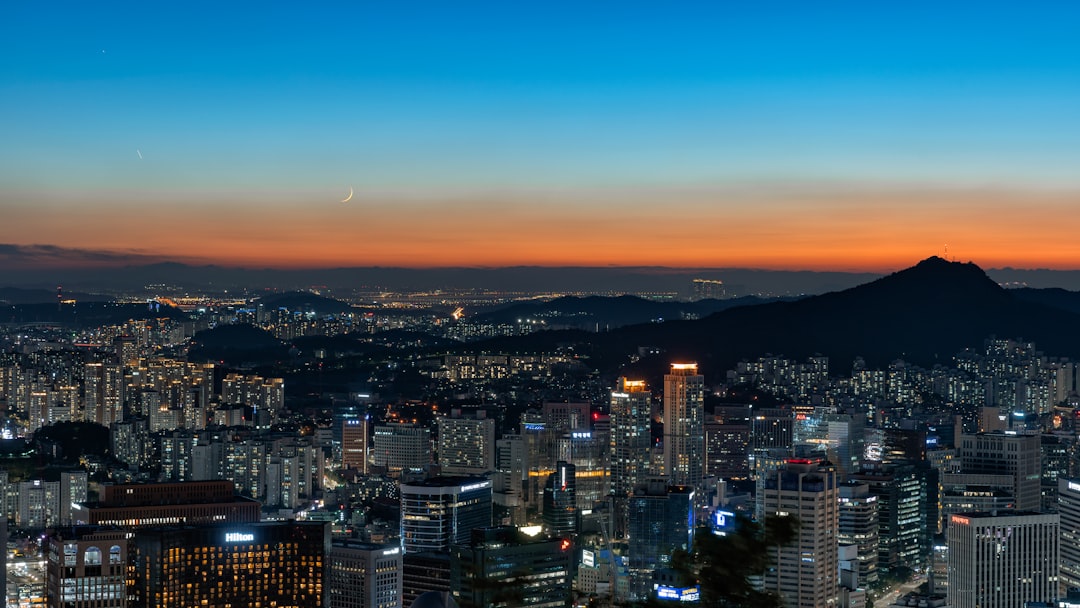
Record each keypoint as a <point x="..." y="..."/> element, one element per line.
<point x="777" y="136"/>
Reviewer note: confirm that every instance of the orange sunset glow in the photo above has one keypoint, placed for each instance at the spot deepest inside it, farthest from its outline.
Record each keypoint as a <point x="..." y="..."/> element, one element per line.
<point x="803" y="227"/>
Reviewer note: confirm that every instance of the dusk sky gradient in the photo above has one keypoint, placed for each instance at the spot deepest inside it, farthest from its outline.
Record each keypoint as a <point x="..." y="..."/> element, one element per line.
<point x="832" y="135"/>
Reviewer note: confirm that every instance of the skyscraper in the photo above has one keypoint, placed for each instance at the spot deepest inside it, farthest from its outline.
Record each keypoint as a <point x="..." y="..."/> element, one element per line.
<point x="631" y="441"/>
<point x="354" y="442"/>
<point x="1069" y="511"/>
<point x="441" y="511"/>
<point x="560" y="501"/>
<point x="1006" y="453"/>
<point x="804" y="572"/>
<point x="1003" y="559"/>
<point x="364" y="575"/>
<point x="684" y="425"/>
<point x="466" y="444"/>
<point x="661" y="520"/>
<point x="502" y="567"/>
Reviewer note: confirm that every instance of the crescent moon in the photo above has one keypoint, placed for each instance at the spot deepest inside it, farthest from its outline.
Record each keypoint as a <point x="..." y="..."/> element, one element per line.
<point x="348" y="198"/>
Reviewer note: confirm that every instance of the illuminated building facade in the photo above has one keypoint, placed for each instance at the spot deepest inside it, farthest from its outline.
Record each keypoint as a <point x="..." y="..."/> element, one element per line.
<point x="684" y="425"/>
<point x="1002" y="560"/>
<point x="1069" y="512"/>
<point x="87" y="568"/>
<point x="441" y="511"/>
<point x="157" y="504"/>
<point x="354" y="442"/>
<point x="398" y="447"/>
<point x="502" y="567"/>
<point x="560" y="501"/>
<point x="364" y="575"/>
<point x="1006" y="453"/>
<point x="631" y="441"/>
<point x="803" y="572"/>
<point x="466" y="445"/>
<point x="258" y="565"/>
<point x="661" y="520"/>
<point x="859" y="527"/>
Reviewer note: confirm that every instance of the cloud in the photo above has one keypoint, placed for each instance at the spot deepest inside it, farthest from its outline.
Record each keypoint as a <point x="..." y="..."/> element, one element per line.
<point x="44" y="255"/>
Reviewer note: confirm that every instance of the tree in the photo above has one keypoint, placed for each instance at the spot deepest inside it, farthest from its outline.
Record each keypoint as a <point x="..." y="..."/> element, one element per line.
<point x="724" y="565"/>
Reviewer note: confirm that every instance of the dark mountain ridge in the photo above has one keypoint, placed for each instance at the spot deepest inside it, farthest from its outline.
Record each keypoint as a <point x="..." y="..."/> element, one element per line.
<point x="923" y="314"/>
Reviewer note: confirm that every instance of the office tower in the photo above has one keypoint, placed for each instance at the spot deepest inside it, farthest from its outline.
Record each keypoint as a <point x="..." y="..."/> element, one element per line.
<point x="73" y="488"/>
<point x="1069" y="511"/>
<point x="400" y="447"/>
<point x="509" y="481"/>
<point x="502" y="567"/>
<point x="858" y="527"/>
<point x="661" y="520"/>
<point x="563" y="417"/>
<point x="1056" y="455"/>
<point x="363" y="575"/>
<point x="727" y="442"/>
<point x="1005" y="453"/>
<point x="86" y="568"/>
<point x="1002" y="560"/>
<point x="902" y="495"/>
<point x="772" y="438"/>
<point x="439" y="512"/>
<point x="684" y="425"/>
<point x="803" y="572"/>
<point x="560" y="502"/>
<point x="279" y="564"/>
<point x="354" y="440"/>
<point x="631" y="442"/>
<point x="846" y="441"/>
<point x="466" y="445"/>
<point x="427" y="571"/>
<point x="155" y="504"/>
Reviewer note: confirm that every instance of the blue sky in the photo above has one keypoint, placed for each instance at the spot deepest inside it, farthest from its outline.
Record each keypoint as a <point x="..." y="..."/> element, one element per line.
<point x="269" y="105"/>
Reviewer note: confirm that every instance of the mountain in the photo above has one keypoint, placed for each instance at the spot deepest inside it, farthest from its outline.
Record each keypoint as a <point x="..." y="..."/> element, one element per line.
<point x="606" y="312"/>
<point x="1053" y="297"/>
<point x="923" y="314"/>
<point x="305" y="301"/>
<point x="15" y="295"/>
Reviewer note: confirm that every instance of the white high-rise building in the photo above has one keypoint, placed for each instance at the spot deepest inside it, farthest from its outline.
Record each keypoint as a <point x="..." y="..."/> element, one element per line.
<point x="805" y="571"/>
<point x="1002" y="560"/>
<point x="1069" y="512"/>
<point x="466" y="445"/>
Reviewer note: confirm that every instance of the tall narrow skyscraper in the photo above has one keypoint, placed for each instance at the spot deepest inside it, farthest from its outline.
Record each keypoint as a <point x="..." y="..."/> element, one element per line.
<point x="684" y="425"/>
<point x="631" y="441"/>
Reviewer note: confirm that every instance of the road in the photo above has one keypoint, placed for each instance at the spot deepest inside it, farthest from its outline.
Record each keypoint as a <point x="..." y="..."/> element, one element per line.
<point x="894" y="593"/>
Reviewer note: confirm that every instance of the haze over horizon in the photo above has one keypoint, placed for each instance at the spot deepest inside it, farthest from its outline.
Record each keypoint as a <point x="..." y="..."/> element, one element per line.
<point x="774" y="136"/>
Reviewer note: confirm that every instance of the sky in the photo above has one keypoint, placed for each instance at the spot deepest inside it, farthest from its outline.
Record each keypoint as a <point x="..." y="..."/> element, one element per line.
<point x="798" y="135"/>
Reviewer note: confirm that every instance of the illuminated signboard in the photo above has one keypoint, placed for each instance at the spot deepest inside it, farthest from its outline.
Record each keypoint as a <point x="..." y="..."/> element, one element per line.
<point x="239" y="537"/>
<point x="476" y="486"/>
<point x="722" y="521"/>
<point x="534" y="426"/>
<point x="588" y="558"/>
<point x="1075" y="487"/>
<point x="393" y="551"/>
<point x="682" y="594"/>
<point x="956" y="519"/>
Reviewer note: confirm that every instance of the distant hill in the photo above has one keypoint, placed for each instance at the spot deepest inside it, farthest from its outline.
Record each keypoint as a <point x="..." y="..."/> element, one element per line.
<point x="236" y="344"/>
<point x="923" y="314"/>
<point x="86" y="314"/>
<point x="1054" y="297"/>
<point x="594" y="312"/>
<point x="307" y="302"/>
<point x="15" y="295"/>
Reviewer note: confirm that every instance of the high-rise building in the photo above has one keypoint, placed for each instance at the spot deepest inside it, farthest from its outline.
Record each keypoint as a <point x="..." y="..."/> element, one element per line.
<point x="1003" y="559"/>
<point x="727" y="442"/>
<point x="354" y="440"/>
<point x="902" y="496"/>
<point x="803" y="572"/>
<point x="684" y="425"/>
<point x="858" y="526"/>
<point x="87" y="568"/>
<point x="364" y="575"/>
<point x="1069" y="512"/>
<point x="441" y="511"/>
<point x="1006" y="453"/>
<point x="427" y="571"/>
<point x="466" y="445"/>
<point x="398" y="447"/>
<point x="560" y="502"/>
<point x="279" y="564"/>
<point x="631" y="442"/>
<point x="661" y="520"/>
<point x="502" y="567"/>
